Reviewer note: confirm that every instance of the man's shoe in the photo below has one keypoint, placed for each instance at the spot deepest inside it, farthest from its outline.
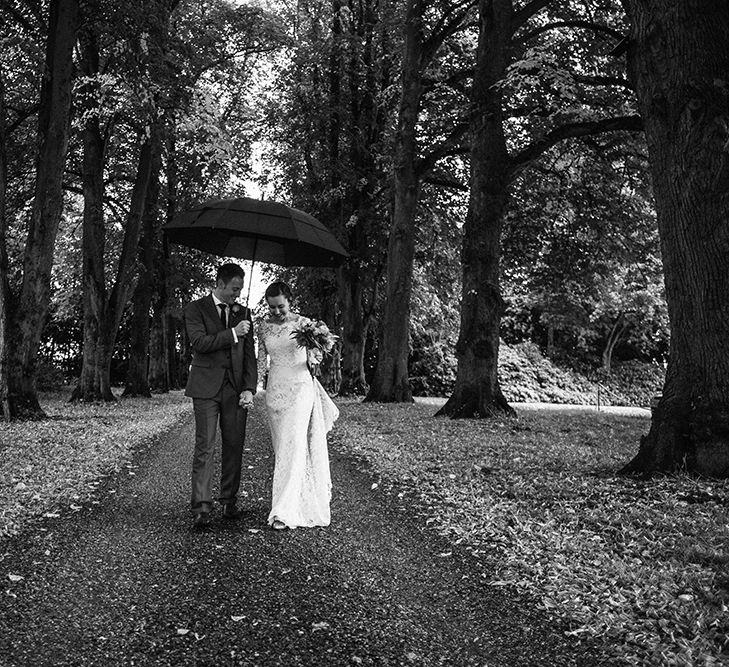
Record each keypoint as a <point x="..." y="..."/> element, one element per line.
<point x="231" y="512"/>
<point x="200" y="520"/>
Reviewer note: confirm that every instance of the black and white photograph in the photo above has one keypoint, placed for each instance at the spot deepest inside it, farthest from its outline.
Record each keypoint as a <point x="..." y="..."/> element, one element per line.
<point x="338" y="333"/>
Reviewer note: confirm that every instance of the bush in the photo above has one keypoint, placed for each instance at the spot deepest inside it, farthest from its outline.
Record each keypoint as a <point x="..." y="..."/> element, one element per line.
<point x="526" y="376"/>
<point x="432" y="370"/>
<point x="50" y="376"/>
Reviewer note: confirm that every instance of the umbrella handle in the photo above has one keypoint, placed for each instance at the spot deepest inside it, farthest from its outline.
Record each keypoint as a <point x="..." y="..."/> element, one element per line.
<point x="253" y="264"/>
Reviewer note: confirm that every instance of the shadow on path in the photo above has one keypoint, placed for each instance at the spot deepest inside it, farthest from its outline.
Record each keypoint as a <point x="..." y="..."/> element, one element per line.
<point x="125" y="582"/>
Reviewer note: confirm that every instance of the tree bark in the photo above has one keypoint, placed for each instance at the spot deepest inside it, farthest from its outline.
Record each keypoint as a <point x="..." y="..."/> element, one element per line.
<point x="390" y="382"/>
<point x="678" y="61"/>
<point x="94" y="297"/>
<point x="159" y="366"/>
<point x="550" y="340"/>
<point x="357" y="279"/>
<point x="4" y="284"/>
<point x="126" y="271"/>
<point x="53" y="136"/>
<point x="355" y="326"/>
<point x="477" y="392"/>
<point x="137" y="380"/>
<point x="173" y="332"/>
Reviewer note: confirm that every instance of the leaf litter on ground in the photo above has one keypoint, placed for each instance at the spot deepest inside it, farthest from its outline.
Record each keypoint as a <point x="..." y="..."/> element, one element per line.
<point x="640" y="565"/>
<point x="59" y="463"/>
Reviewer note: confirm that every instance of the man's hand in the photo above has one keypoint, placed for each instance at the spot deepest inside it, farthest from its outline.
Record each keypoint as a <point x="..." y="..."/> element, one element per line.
<point x="243" y="327"/>
<point x="246" y="400"/>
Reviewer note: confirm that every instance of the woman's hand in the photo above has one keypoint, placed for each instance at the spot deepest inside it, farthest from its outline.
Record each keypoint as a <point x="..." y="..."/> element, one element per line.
<point x="246" y="400"/>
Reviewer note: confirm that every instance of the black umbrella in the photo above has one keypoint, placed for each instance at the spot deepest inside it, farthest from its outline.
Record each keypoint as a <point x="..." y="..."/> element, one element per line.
<point x="259" y="230"/>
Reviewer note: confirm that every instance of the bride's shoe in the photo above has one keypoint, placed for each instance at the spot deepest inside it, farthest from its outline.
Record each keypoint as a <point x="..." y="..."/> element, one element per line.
<point x="278" y="525"/>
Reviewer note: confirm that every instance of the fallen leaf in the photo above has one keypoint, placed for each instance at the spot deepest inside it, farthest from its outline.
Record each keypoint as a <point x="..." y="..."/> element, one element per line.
<point x="182" y="631"/>
<point x="237" y="618"/>
<point x="322" y="625"/>
<point x="15" y="577"/>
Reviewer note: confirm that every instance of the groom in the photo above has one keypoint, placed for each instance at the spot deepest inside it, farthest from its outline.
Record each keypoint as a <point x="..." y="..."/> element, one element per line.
<point x="223" y="371"/>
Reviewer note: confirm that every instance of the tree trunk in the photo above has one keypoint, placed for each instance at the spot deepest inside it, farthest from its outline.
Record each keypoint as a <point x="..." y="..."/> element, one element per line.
<point x="550" y="340"/>
<point x="678" y="60"/>
<point x="53" y="136"/>
<point x="477" y="392"/>
<point x="616" y="332"/>
<point x="93" y="243"/>
<point x="159" y="366"/>
<point x="390" y="382"/>
<point x="126" y="270"/>
<point x="168" y="319"/>
<point x="357" y="279"/>
<point x="354" y="336"/>
<point x="137" y="380"/>
<point x="95" y="383"/>
<point x="4" y="284"/>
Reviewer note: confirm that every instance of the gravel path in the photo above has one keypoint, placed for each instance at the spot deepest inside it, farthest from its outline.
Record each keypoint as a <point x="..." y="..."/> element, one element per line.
<point x="125" y="582"/>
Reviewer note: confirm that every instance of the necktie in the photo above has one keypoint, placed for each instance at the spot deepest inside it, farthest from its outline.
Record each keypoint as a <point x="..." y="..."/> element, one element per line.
<point x="222" y="313"/>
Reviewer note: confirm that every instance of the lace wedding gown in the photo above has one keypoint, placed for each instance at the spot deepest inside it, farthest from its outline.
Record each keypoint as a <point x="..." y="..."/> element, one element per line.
<point x="300" y="413"/>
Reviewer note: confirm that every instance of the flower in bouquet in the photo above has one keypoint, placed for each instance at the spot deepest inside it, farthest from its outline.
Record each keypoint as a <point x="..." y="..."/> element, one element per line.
<point x="315" y="336"/>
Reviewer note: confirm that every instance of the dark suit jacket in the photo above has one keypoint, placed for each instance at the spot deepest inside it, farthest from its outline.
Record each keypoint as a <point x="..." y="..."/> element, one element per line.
<point x="214" y="350"/>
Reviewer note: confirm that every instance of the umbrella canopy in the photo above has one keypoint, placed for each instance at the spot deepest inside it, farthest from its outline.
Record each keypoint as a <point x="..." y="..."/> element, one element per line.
<point x="264" y="231"/>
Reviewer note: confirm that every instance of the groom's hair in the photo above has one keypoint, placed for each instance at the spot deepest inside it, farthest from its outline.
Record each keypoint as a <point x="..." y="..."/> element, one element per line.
<point x="226" y="273"/>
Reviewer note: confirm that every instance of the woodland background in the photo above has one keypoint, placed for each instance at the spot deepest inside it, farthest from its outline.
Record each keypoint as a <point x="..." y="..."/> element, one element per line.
<point x="174" y="102"/>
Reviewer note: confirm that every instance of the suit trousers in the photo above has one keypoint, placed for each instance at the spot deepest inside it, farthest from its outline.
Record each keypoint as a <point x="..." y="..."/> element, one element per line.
<point x="222" y="409"/>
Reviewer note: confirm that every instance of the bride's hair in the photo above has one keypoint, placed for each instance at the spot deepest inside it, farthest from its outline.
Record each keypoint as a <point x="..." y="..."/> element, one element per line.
<point x="279" y="289"/>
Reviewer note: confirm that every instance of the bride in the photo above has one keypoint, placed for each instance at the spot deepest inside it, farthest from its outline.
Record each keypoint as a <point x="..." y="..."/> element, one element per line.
<point x="300" y="413"/>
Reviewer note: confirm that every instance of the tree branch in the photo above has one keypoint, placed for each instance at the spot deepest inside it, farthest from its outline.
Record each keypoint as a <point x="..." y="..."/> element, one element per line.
<point x="451" y="145"/>
<point x="445" y="28"/>
<point x="572" y="130"/>
<point x="616" y="81"/>
<point x="446" y="182"/>
<point x="521" y="16"/>
<point x="585" y="25"/>
<point x="23" y="115"/>
<point x="22" y="20"/>
<point x="453" y="81"/>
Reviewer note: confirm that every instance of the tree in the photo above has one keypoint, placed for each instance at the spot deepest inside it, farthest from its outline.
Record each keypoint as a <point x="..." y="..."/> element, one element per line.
<point x="580" y="248"/>
<point x="4" y="285"/>
<point x="137" y="379"/>
<point x="104" y="307"/>
<point x="330" y="114"/>
<point x="390" y="382"/>
<point x="678" y="61"/>
<point x="27" y="318"/>
<point x="504" y="140"/>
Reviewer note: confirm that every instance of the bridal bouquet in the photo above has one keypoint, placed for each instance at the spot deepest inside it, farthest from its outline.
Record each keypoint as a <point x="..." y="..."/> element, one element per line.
<point x="317" y="339"/>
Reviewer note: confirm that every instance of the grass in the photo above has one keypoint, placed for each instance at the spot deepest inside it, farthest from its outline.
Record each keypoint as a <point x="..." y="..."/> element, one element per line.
<point x="641" y="567"/>
<point x="58" y="463"/>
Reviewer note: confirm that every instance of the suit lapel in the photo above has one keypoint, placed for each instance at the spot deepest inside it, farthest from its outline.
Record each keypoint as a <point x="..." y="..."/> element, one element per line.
<point x="212" y="310"/>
